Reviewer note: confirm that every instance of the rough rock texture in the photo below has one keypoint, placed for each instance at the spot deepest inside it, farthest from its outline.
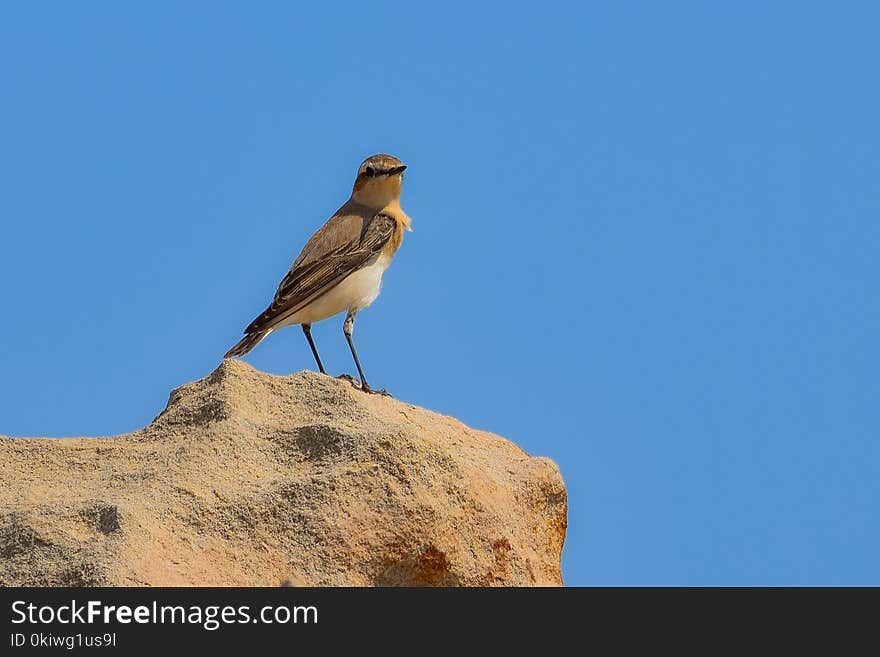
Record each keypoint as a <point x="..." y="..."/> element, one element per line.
<point x="252" y="479"/>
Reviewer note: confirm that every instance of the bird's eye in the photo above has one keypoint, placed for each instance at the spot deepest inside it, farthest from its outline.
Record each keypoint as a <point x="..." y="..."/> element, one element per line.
<point x="369" y="172"/>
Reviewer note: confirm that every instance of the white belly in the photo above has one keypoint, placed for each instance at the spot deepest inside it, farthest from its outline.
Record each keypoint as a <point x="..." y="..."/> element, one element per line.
<point x="354" y="293"/>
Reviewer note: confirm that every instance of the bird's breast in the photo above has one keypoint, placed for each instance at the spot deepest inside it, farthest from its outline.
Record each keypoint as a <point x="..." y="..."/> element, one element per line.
<point x="401" y="223"/>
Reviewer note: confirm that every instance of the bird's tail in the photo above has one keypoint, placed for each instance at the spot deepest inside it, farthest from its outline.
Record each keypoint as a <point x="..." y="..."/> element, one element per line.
<point x="248" y="342"/>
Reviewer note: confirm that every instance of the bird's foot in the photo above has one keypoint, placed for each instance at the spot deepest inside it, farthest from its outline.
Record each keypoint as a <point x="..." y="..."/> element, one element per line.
<point x="366" y="388"/>
<point x="348" y="377"/>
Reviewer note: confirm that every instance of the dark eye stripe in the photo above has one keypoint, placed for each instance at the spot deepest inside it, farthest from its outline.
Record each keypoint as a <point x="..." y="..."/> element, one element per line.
<point x="372" y="172"/>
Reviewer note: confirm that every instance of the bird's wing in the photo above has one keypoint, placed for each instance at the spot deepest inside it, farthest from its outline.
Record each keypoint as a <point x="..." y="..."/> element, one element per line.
<point x="342" y="246"/>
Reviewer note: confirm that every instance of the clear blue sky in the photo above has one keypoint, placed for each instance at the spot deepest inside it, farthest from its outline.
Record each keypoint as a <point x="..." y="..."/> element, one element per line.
<point x="646" y="244"/>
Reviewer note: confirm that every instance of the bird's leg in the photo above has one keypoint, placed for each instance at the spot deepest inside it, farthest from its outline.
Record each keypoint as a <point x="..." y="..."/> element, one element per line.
<point x="348" y="329"/>
<point x="307" y="329"/>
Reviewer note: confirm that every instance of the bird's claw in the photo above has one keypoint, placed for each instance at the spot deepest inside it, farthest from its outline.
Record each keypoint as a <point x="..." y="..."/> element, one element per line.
<point x="348" y="377"/>
<point x="363" y="387"/>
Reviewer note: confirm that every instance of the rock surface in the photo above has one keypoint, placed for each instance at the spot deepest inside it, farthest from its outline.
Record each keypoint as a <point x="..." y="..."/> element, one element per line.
<point x="252" y="479"/>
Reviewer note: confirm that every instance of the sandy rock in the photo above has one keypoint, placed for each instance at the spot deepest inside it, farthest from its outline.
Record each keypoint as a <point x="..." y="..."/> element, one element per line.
<point x="252" y="479"/>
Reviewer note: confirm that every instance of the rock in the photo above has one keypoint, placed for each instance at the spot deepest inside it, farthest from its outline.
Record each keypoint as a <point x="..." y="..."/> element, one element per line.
<point x="252" y="479"/>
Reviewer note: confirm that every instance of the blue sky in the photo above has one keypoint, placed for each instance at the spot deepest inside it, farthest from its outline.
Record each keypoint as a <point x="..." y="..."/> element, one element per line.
<point x="646" y="242"/>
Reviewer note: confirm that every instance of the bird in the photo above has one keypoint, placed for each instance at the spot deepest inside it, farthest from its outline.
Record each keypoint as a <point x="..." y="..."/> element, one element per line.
<point x="341" y="266"/>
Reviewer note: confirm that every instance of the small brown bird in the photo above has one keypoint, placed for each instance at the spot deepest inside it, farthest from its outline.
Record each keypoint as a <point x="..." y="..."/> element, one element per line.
<point x="341" y="266"/>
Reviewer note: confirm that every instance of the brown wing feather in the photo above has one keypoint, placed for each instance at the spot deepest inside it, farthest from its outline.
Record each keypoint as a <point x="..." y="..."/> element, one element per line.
<point x="342" y="246"/>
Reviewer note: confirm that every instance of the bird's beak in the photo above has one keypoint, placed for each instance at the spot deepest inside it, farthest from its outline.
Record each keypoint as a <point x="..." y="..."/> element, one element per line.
<point x="399" y="169"/>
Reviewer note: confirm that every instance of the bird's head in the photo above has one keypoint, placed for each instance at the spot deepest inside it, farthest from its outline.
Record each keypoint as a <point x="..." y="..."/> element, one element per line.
<point x="379" y="179"/>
